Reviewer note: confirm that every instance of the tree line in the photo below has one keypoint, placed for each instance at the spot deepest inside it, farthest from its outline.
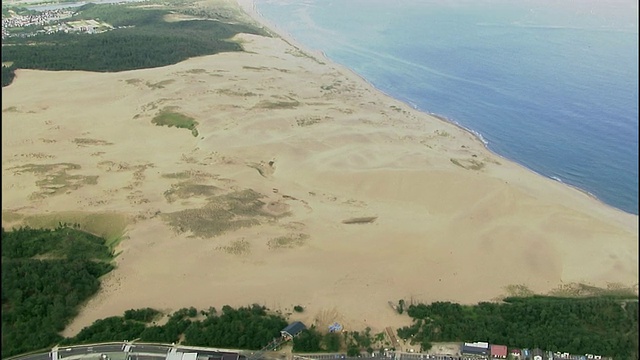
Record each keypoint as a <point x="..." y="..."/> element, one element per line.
<point x="142" y="39"/>
<point x="601" y="325"/>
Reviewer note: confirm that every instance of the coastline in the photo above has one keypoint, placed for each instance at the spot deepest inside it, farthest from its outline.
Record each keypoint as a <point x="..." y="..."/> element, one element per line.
<point x="320" y="161"/>
<point x="250" y="9"/>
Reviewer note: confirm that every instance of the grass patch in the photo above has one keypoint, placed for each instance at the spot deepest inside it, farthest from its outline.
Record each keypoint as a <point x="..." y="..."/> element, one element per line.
<point x="518" y="290"/>
<point x="287" y="242"/>
<point x="308" y="121"/>
<point x="108" y="225"/>
<point x="185" y="190"/>
<point x="237" y="247"/>
<point x="85" y="141"/>
<point x="196" y="71"/>
<point x="55" y="179"/>
<point x="360" y="220"/>
<point x="583" y="290"/>
<point x="223" y="213"/>
<point x="266" y="104"/>
<point x="230" y="92"/>
<point x="11" y="216"/>
<point x="469" y="164"/>
<point x="181" y="175"/>
<point x="159" y="84"/>
<point x="170" y="118"/>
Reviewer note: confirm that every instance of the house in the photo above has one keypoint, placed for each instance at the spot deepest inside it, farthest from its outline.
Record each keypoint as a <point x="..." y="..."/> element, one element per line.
<point x="498" y="351"/>
<point x="516" y="353"/>
<point x="537" y="354"/>
<point x="475" y="348"/>
<point x="230" y="356"/>
<point x="292" y="330"/>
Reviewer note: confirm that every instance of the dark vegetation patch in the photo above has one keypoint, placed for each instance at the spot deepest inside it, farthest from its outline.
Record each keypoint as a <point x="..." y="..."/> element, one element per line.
<point x="186" y="189"/>
<point x="360" y="220"/>
<point x="606" y="325"/>
<point x="46" y="276"/>
<point x="250" y="327"/>
<point x="142" y="39"/>
<point x="287" y="242"/>
<point x="168" y="117"/>
<point x="223" y="213"/>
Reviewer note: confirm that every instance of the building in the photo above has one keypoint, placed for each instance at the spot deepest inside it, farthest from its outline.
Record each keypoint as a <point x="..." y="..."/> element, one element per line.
<point x="516" y="353"/>
<point x="537" y="354"/>
<point x="173" y="354"/>
<point x="230" y="356"/>
<point x="498" y="351"/>
<point x="476" y="348"/>
<point x="292" y="330"/>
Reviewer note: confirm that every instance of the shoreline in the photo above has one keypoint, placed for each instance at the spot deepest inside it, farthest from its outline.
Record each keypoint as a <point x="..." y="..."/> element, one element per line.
<point x="250" y="8"/>
<point x="366" y="200"/>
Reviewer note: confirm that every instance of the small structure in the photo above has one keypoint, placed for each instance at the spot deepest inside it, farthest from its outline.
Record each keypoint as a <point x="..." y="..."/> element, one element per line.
<point x="498" y="351"/>
<point x="190" y="356"/>
<point x="475" y="348"/>
<point x="537" y="354"/>
<point x="230" y="356"/>
<point x="292" y="330"/>
<point x="516" y="353"/>
<point x="335" y="327"/>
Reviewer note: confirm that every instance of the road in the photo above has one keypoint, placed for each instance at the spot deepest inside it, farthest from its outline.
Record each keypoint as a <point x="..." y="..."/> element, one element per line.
<point x="159" y="352"/>
<point x="134" y="351"/>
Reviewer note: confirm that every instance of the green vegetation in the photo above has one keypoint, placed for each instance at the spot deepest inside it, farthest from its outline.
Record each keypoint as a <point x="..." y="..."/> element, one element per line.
<point x="46" y="276"/>
<point x="309" y="340"/>
<point x="226" y="212"/>
<point x="145" y="315"/>
<point x="141" y="39"/>
<point x="8" y="73"/>
<point x="605" y="325"/>
<point x="248" y="327"/>
<point x="108" y="225"/>
<point x="6" y="11"/>
<point x="298" y="308"/>
<point x="167" y="117"/>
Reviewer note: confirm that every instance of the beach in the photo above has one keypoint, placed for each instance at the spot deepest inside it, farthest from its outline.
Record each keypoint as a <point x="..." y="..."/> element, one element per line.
<point x="344" y="199"/>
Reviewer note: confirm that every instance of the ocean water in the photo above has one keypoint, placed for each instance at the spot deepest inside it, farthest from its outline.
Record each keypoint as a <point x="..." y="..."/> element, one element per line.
<point x="552" y="85"/>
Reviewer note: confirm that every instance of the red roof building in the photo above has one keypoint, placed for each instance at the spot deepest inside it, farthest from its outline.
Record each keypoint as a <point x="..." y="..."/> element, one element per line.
<point x="498" y="351"/>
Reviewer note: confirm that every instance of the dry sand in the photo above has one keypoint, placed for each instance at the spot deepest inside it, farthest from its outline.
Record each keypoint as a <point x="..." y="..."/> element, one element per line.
<point x="364" y="200"/>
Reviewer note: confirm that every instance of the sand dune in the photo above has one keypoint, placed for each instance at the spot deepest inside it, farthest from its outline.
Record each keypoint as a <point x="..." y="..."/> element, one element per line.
<point x="294" y="148"/>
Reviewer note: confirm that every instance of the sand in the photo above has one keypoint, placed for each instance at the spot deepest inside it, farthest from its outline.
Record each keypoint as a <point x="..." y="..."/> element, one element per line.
<point x="344" y="198"/>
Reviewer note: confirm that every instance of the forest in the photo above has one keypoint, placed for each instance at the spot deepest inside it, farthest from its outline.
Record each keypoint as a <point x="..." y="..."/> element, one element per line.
<point x="141" y="38"/>
<point x="46" y="276"/>
<point x="602" y="325"/>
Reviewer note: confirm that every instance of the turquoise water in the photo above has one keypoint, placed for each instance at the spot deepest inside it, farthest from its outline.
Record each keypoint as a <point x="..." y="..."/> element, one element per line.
<point x="552" y="85"/>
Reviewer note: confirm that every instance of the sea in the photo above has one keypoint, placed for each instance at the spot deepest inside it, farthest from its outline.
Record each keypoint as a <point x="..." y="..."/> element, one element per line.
<point x="549" y="84"/>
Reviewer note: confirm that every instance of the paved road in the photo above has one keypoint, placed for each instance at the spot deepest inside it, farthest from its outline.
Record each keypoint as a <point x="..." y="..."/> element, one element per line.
<point x="42" y="356"/>
<point x="64" y="352"/>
